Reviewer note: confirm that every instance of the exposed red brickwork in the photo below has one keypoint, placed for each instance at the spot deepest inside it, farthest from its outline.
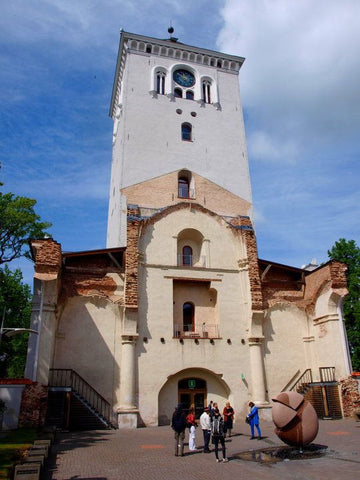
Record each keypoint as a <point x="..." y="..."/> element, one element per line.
<point x="88" y="285"/>
<point x="249" y="238"/>
<point x="338" y="275"/>
<point x="87" y="276"/>
<point x="350" y="396"/>
<point x="131" y="264"/>
<point x="179" y="206"/>
<point x="283" y="284"/>
<point x="33" y="405"/>
<point x="47" y="256"/>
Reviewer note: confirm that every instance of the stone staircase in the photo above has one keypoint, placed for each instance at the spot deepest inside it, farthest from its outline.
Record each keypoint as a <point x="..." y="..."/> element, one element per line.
<point x="324" y="396"/>
<point x="74" y="405"/>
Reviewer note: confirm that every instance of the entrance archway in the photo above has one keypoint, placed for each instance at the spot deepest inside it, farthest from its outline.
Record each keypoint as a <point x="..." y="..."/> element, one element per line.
<point x="208" y="386"/>
<point x="193" y="391"/>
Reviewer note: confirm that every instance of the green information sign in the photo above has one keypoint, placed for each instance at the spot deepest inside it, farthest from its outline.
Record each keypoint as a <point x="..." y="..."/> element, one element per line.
<point x="192" y="383"/>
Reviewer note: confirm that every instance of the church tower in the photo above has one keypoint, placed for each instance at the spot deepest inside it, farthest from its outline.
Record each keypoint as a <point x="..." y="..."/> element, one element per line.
<point x="176" y="108"/>
<point x="179" y="308"/>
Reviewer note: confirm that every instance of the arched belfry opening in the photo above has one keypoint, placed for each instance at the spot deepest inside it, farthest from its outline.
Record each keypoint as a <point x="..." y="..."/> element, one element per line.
<point x="186" y="187"/>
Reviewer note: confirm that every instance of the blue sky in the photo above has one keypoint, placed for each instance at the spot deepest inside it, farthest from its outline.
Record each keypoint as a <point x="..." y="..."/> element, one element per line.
<point x="300" y="87"/>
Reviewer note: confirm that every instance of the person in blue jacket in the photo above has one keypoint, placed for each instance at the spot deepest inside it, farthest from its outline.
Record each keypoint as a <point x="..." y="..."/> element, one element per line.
<point x="254" y="420"/>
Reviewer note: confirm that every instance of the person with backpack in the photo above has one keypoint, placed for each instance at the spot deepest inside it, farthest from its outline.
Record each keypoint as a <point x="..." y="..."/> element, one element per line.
<point x="191" y="423"/>
<point x="178" y="424"/>
<point x="217" y="431"/>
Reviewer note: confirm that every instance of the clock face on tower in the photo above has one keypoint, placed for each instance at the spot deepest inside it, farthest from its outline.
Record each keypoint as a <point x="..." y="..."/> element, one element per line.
<point x="184" y="78"/>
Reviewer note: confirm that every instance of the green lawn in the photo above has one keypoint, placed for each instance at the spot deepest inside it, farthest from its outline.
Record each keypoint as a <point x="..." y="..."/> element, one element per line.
<point x="11" y="445"/>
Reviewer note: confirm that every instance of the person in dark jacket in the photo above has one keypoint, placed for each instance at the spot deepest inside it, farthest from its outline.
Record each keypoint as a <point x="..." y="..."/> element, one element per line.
<point x="178" y="424"/>
<point x="217" y="431"/>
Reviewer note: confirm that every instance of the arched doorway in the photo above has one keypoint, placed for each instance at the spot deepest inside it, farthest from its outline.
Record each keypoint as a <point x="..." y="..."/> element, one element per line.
<point x="193" y="390"/>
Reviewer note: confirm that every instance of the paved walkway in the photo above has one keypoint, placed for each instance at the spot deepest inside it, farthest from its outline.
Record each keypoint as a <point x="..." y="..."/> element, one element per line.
<point x="148" y="454"/>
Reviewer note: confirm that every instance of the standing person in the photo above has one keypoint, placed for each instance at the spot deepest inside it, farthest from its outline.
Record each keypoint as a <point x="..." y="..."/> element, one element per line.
<point x="191" y="423"/>
<point x="206" y="428"/>
<point x="254" y="420"/>
<point x="214" y="406"/>
<point x="217" y="431"/>
<point x="178" y="424"/>
<point x="228" y="414"/>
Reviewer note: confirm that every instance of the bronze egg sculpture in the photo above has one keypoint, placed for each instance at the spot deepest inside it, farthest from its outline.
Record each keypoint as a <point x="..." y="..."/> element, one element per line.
<point x="295" y="419"/>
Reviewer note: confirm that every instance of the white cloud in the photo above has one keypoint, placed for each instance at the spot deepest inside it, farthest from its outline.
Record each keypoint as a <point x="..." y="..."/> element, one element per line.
<point x="302" y="70"/>
<point x="264" y="147"/>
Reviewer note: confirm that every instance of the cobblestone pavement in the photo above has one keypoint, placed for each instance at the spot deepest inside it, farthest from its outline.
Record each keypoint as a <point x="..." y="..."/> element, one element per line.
<point x="148" y="453"/>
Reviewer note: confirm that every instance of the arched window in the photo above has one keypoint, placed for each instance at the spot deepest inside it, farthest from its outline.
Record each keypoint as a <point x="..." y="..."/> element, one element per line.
<point x="206" y="91"/>
<point x="186" y="132"/>
<point x="188" y="317"/>
<point x="183" y="187"/>
<point x="160" y="82"/>
<point x="187" y="256"/>
<point x="178" y="93"/>
<point x="189" y="94"/>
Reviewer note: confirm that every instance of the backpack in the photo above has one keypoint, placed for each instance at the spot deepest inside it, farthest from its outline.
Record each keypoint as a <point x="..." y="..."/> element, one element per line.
<point x="178" y="422"/>
<point x="217" y="426"/>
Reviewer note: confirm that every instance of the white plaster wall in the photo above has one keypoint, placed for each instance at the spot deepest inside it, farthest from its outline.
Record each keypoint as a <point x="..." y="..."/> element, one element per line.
<point x="284" y="349"/>
<point x="157" y="361"/>
<point x="330" y="350"/>
<point x="151" y="137"/>
<point x="11" y="395"/>
<point x="148" y="134"/>
<point x="89" y="342"/>
<point x="160" y="245"/>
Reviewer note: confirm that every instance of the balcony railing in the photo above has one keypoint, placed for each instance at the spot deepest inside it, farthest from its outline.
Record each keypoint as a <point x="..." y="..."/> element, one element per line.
<point x="202" y="331"/>
<point x="191" y="261"/>
<point x="327" y="374"/>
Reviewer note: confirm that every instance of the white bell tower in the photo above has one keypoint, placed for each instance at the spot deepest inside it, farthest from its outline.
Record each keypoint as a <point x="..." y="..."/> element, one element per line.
<point x="174" y="107"/>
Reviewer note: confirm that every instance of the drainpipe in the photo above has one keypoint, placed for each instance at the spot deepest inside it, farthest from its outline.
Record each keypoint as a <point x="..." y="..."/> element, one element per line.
<point x="35" y="367"/>
<point x="344" y="338"/>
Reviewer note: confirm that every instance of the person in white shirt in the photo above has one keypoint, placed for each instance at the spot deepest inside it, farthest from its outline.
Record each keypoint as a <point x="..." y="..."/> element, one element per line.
<point x="205" y="424"/>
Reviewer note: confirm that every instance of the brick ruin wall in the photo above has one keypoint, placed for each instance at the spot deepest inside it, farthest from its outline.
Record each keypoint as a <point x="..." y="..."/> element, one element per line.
<point x="33" y="405"/>
<point x="350" y="397"/>
<point x="47" y="256"/>
<point x="249" y="238"/>
<point x="131" y="263"/>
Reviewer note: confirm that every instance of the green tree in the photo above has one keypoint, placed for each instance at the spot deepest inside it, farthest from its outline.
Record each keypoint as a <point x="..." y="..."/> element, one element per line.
<point x="18" y="223"/>
<point x="348" y="252"/>
<point x="15" y="309"/>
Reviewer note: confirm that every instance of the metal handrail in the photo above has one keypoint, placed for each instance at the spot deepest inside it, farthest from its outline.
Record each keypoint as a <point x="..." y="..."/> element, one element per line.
<point x="64" y="377"/>
<point x="204" y="331"/>
<point x="304" y="379"/>
<point x="327" y="374"/>
<point x="191" y="261"/>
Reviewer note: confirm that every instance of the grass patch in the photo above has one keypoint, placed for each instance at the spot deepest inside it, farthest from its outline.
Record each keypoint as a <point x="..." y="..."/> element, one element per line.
<point x="12" y="446"/>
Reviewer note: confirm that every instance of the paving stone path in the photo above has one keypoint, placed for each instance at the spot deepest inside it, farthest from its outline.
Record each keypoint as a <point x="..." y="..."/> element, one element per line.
<point x="148" y="454"/>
